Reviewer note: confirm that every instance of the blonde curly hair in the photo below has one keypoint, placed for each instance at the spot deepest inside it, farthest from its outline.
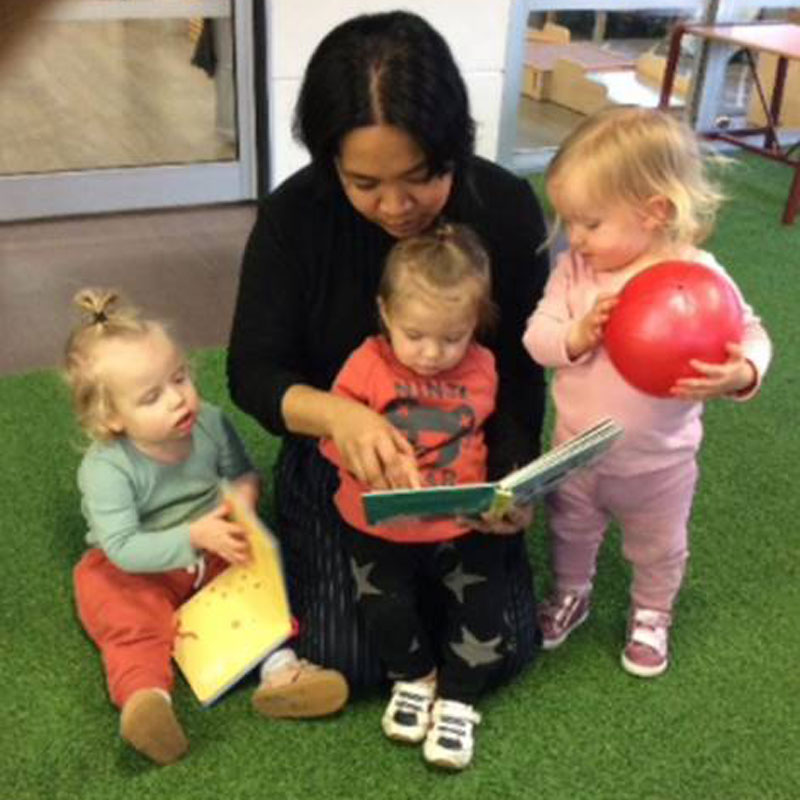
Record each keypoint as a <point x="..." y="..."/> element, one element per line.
<point x="443" y="258"/>
<point x="634" y="154"/>
<point x="103" y="316"/>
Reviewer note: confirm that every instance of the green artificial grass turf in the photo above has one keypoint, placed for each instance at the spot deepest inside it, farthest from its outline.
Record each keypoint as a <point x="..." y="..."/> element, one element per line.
<point x="722" y="723"/>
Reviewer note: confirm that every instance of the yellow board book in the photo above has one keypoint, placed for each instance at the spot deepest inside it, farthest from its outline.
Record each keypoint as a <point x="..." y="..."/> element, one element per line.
<point x="238" y="618"/>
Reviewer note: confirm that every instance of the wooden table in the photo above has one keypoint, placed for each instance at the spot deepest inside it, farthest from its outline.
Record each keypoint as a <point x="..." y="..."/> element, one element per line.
<point x="541" y="59"/>
<point x="543" y="55"/>
<point x="782" y="40"/>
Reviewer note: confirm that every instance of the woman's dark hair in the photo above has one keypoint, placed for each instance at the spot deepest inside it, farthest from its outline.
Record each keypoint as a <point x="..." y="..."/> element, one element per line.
<point x="391" y="68"/>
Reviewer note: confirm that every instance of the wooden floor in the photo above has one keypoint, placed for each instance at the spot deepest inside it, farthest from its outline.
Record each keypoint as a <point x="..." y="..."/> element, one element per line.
<point x="182" y="266"/>
<point x="83" y="95"/>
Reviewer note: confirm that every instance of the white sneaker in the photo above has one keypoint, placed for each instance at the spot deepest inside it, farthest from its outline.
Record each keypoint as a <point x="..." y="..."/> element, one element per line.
<point x="450" y="742"/>
<point x="408" y="715"/>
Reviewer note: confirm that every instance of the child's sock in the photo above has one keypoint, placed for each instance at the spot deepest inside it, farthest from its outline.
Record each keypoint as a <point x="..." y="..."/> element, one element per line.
<point x="276" y="661"/>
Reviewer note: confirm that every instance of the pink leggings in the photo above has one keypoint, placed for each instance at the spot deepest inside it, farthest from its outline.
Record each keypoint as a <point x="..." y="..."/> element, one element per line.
<point x="130" y="617"/>
<point x="652" y="510"/>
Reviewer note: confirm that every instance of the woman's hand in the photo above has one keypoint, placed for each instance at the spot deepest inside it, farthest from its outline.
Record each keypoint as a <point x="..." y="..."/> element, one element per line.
<point x="587" y="332"/>
<point x="717" y="380"/>
<point x="217" y="534"/>
<point x="517" y="518"/>
<point x="368" y="445"/>
<point x="373" y="450"/>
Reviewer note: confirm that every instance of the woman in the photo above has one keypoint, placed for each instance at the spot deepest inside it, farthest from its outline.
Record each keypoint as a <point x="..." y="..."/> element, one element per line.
<point x="384" y="113"/>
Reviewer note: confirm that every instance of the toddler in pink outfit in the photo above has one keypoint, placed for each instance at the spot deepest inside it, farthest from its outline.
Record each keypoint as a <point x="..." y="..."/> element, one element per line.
<point x="631" y="189"/>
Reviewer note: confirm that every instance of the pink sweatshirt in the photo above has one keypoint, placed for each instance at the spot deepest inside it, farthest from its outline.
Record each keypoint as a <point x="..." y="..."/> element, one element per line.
<point x="659" y="432"/>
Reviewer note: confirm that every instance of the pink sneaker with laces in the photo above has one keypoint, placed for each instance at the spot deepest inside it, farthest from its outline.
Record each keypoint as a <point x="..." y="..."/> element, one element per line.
<point x="559" y="615"/>
<point x="647" y="651"/>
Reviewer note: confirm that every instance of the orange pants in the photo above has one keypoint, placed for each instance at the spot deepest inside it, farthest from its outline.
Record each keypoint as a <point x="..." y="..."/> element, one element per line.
<point x="130" y="617"/>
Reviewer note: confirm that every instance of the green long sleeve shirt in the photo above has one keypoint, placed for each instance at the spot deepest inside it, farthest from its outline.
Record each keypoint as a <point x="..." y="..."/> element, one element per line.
<point x="139" y="510"/>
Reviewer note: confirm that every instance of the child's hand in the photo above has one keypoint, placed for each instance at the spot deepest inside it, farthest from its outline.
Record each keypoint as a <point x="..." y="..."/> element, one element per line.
<point x="248" y="488"/>
<point x="217" y="534"/>
<point x="734" y="375"/>
<point x="587" y="332"/>
<point x="515" y="519"/>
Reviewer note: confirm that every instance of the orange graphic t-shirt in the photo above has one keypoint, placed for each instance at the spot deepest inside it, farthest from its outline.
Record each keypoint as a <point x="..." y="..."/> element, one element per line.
<point x="442" y="416"/>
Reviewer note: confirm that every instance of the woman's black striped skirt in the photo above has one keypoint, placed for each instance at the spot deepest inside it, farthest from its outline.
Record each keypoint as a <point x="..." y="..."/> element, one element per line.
<point x="332" y="632"/>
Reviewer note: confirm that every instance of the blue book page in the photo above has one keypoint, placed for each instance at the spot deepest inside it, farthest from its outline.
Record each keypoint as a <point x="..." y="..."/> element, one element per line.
<point x="519" y="487"/>
<point x="544" y="473"/>
<point x="437" y="501"/>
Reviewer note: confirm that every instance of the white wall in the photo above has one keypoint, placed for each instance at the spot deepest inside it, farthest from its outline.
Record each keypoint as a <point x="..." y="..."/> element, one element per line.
<point x="476" y="31"/>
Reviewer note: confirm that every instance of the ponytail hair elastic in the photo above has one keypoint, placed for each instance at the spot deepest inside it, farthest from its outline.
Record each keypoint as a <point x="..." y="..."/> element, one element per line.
<point x="444" y="231"/>
<point x="97" y="305"/>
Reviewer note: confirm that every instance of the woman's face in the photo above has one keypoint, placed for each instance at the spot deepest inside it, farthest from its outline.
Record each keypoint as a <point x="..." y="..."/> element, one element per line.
<point x="385" y="176"/>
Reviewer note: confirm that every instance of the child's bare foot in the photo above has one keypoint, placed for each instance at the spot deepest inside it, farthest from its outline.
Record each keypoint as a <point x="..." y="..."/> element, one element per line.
<point x="150" y="726"/>
<point x="301" y="689"/>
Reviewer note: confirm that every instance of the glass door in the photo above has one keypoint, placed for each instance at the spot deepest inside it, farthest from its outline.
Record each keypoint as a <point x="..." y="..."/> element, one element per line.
<point x="112" y="105"/>
<point x="569" y="58"/>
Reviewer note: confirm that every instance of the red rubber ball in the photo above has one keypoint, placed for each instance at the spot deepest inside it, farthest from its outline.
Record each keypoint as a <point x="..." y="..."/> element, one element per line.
<point x="667" y="315"/>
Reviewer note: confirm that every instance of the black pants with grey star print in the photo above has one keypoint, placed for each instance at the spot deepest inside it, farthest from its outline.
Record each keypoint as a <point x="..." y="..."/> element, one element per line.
<point x="461" y="633"/>
<point x="322" y="591"/>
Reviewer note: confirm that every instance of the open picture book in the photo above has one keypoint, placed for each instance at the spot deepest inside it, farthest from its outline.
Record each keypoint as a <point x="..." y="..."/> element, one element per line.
<point x="519" y="487"/>
<point x="229" y="626"/>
